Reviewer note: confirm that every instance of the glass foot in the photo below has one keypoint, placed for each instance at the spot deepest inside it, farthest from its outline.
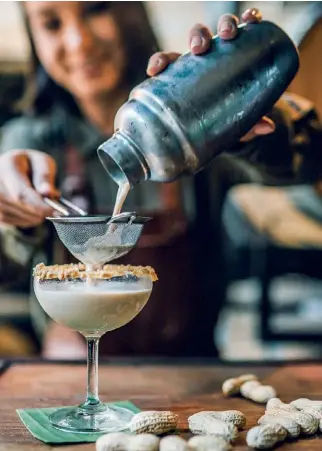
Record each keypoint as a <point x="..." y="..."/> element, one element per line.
<point x="97" y="418"/>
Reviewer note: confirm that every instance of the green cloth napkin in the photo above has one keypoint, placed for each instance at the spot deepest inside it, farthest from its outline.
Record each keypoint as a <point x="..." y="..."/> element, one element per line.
<point x="37" y="423"/>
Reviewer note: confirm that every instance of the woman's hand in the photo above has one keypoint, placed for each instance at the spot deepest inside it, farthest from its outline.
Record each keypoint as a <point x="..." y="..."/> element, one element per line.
<point x="199" y="41"/>
<point x="26" y="176"/>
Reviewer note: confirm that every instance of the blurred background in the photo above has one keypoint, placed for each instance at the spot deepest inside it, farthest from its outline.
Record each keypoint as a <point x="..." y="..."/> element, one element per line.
<point x="271" y="306"/>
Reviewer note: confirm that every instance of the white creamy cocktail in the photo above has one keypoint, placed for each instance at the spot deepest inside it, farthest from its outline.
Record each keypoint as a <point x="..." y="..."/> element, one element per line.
<point x="92" y="302"/>
<point x="95" y="307"/>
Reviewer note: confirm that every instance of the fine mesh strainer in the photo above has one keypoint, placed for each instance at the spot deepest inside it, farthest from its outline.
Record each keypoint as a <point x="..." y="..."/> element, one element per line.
<point x="96" y="240"/>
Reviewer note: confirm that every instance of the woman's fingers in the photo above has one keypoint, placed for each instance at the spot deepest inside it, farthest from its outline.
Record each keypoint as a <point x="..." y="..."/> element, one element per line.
<point x="15" y="178"/>
<point x="159" y="61"/>
<point x="43" y="172"/>
<point x="199" y="39"/>
<point x="227" y="27"/>
<point x="252" y="15"/>
<point x="18" y="214"/>
<point x="264" y="127"/>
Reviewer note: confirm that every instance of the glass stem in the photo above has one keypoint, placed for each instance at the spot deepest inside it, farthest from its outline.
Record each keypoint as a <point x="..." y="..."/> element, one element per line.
<point x="92" y="372"/>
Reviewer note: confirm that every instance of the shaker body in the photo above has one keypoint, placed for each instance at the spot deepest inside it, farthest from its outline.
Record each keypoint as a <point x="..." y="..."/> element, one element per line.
<point x="177" y="122"/>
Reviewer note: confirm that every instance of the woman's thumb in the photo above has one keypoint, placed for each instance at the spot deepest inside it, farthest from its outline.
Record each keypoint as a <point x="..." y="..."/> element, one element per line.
<point x="43" y="173"/>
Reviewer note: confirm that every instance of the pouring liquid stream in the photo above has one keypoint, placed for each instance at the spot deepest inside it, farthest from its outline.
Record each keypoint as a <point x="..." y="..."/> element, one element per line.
<point x="122" y="193"/>
<point x="121" y="196"/>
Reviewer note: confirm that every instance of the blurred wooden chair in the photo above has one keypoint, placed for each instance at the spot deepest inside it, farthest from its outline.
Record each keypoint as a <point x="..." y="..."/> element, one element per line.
<point x="278" y="239"/>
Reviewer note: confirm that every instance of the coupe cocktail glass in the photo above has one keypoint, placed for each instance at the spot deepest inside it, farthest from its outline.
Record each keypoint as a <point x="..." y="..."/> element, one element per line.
<point x="92" y="306"/>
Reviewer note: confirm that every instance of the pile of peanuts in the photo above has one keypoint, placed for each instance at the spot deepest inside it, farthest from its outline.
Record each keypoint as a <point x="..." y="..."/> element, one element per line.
<point x="214" y="431"/>
<point x="217" y="430"/>
<point x="302" y="417"/>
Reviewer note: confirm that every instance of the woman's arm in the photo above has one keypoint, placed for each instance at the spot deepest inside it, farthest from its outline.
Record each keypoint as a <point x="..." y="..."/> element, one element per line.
<point x="22" y="210"/>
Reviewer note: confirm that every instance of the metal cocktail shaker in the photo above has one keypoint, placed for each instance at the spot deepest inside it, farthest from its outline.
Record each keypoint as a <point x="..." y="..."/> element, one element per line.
<point x="177" y="122"/>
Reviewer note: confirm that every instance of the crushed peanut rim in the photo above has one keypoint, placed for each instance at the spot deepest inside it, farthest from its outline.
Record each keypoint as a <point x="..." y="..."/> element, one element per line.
<point x="78" y="271"/>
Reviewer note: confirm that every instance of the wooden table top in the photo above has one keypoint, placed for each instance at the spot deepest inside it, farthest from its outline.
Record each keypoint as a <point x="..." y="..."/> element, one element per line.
<point x="184" y="387"/>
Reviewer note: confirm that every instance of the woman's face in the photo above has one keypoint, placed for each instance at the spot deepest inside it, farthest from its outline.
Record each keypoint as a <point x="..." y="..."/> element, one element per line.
<point x="79" y="45"/>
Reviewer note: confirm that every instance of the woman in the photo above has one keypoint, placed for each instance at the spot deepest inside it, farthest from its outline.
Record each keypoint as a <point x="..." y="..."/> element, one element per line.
<point x="86" y="57"/>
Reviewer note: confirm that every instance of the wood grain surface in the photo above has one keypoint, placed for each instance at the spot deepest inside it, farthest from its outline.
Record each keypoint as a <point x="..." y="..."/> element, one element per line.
<point x="184" y="388"/>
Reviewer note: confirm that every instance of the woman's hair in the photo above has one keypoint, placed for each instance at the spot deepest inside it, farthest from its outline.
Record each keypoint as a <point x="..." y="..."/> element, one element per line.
<point x="139" y="43"/>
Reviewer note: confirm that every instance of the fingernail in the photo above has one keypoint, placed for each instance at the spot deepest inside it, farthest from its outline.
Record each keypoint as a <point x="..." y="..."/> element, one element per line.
<point x="155" y="64"/>
<point x="196" y="41"/>
<point x="265" y="128"/>
<point x="226" y="26"/>
<point x="269" y="127"/>
<point x="256" y="14"/>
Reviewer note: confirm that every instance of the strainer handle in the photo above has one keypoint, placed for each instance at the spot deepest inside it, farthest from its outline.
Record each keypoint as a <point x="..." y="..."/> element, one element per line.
<point x="62" y="205"/>
<point x="131" y="216"/>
